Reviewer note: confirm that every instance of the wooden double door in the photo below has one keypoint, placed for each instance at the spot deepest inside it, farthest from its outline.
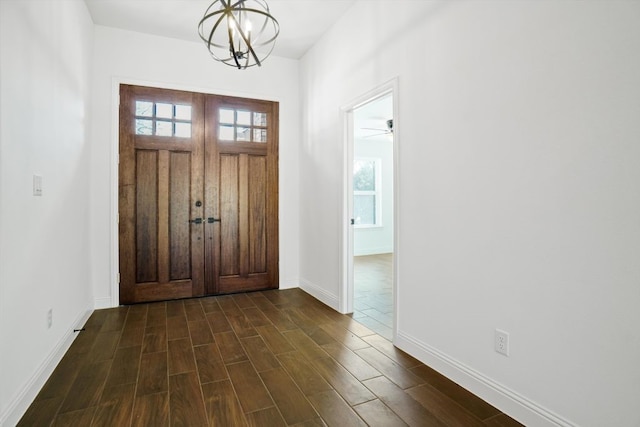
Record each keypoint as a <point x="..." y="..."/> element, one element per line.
<point x="198" y="194"/>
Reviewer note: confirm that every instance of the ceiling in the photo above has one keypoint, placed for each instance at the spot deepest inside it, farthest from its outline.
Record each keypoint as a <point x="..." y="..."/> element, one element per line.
<point x="302" y="22"/>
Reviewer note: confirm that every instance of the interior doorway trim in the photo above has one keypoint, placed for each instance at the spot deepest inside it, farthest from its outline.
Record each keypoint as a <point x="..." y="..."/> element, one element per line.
<point x="347" y="249"/>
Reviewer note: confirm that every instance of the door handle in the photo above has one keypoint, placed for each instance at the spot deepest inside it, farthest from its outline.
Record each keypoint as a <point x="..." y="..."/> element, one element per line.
<point x="211" y="220"/>
<point x="196" y="221"/>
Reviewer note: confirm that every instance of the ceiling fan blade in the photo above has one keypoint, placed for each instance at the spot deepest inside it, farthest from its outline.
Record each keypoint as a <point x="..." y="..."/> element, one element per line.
<point x="377" y="134"/>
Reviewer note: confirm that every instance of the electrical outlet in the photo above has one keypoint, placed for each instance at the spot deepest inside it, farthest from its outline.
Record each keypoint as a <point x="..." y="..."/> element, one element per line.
<point x="49" y="318"/>
<point x="501" y="340"/>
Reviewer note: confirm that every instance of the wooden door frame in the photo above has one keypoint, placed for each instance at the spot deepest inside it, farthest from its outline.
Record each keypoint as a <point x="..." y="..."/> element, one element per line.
<point x="345" y="296"/>
<point x="113" y="300"/>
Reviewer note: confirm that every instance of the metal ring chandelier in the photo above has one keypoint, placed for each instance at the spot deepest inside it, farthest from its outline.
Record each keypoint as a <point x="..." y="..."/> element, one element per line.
<point x="239" y="33"/>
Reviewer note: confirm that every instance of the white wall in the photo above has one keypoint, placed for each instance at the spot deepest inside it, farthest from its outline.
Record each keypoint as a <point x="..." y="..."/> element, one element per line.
<point x="44" y="245"/>
<point x="519" y="192"/>
<point x="377" y="240"/>
<point x="124" y="56"/>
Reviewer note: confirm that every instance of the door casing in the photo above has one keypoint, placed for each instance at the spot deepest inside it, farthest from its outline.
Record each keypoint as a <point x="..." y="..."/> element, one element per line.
<point x="346" y="286"/>
<point x="113" y="299"/>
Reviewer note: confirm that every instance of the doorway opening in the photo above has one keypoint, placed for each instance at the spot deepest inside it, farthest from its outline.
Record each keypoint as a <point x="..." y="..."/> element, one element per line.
<point x="370" y="195"/>
<point x="198" y="194"/>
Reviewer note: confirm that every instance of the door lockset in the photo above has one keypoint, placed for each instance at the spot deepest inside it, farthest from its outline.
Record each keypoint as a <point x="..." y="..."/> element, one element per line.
<point x="210" y="220"/>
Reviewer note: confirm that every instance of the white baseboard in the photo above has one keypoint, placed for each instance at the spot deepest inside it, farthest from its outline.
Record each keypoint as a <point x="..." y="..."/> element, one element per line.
<point x="508" y="401"/>
<point x="288" y="283"/>
<point x="104" y="302"/>
<point x="320" y="294"/>
<point x="16" y="409"/>
<point x="373" y="251"/>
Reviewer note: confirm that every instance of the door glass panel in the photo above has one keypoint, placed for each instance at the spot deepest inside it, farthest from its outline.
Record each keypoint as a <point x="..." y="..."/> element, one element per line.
<point x="243" y="134"/>
<point x="243" y="118"/>
<point x="183" y="112"/>
<point x="144" y="127"/>
<point x="260" y="119"/>
<point x="144" y="108"/>
<point x="164" y="111"/>
<point x="164" y="128"/>
<point x="183" y="130"/>
<point x="167" y="119"/>
<point x="227" y="116"/>
<point x="242" y="125"/>
<point x="226" y="133"/>
<point x="259" y="135"/>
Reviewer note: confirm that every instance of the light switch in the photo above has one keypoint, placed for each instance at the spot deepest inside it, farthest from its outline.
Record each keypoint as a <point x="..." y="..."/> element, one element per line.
<point x="37" y="185"/>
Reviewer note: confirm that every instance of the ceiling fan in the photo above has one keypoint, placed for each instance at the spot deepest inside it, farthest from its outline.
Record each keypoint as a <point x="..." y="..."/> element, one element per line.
<point x="387" y="131"/>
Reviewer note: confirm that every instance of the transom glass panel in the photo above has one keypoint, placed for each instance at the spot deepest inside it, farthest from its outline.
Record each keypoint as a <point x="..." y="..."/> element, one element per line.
<point x="244" y="118"/>
<point x="227" y="116"/>
<point x="242" y="125"/>
<point x="163" y="119"/>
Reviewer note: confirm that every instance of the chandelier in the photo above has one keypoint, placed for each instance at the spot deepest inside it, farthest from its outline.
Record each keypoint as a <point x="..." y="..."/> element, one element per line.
<point x="239" y="33"/>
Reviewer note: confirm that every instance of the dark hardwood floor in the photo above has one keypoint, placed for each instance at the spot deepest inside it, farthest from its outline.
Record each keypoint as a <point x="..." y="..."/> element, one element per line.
<point x="272" y="358"/>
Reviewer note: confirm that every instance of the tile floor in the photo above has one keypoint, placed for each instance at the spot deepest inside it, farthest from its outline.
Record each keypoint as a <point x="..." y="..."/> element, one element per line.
<point x="373" y="293"/>
<point x="272" y="358"/>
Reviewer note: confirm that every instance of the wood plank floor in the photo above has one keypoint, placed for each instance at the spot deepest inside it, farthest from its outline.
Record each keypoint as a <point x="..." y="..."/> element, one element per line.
<point x="275" y="358"/>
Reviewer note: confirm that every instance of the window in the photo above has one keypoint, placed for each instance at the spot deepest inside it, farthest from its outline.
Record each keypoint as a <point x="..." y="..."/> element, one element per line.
<point x="242" y="125"/>
<point x="162" y="119"/>
<point x="367" y="206"/>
